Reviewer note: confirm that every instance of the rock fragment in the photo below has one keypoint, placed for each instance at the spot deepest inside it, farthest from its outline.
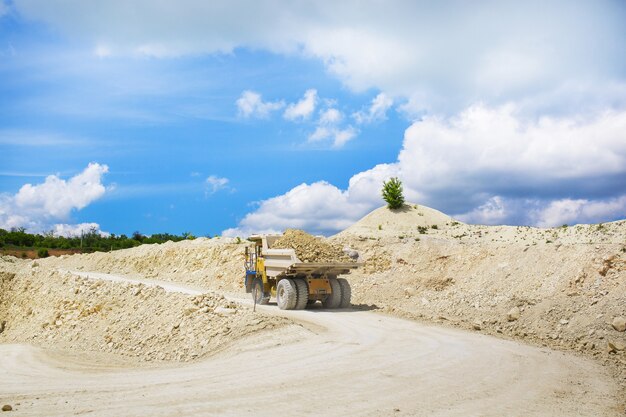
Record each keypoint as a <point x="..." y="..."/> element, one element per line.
<point x="619" y="324"/>
<point x="7" y="407"/>
<point x="225" y="311"/>
<point x="615" y="346"/>
<point x="513" y="314"/>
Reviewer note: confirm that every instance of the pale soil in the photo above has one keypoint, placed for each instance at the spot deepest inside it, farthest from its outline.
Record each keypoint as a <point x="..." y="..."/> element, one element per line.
<point x="51" y="308"/>
<point x="367" y="364"/>
<point x="567" y="283"/>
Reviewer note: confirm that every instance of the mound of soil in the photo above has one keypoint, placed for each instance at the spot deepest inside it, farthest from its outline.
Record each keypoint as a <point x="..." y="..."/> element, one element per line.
<point x="310" y="248"/>
<point x="46" y="307"/>
<point x="406" y="220"/>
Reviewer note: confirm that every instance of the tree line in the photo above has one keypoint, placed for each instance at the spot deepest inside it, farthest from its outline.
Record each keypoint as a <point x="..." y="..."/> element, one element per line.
<point x="91" y="241"/>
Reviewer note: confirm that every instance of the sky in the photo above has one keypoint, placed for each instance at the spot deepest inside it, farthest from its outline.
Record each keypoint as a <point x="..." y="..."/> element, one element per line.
<point x="238" y="117"/>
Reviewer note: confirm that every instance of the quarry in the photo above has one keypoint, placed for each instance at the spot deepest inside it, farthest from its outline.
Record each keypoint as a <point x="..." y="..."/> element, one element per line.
<point x="446" y="318"/>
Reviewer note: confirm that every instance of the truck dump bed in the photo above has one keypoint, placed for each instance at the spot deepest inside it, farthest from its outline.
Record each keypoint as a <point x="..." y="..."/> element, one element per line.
<point x="326" y="268"/>
<point x="284" y="262"/>
<point x="279" y="262"/>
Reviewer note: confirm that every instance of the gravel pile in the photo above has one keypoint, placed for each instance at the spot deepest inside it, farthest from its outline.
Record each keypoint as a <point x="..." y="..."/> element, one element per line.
<point x="58" y="309"/>
<point x="310" y="248"/>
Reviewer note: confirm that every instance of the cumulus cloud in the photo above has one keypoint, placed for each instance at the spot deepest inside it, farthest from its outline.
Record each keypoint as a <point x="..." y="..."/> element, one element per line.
<point x="328" y="127"/>
<point x="569" y="211"/>
<point x="486" y="165"/>
<point x="296" y="208"/>
<point x="377" y="110"/>
<point x="494" y="150"/>
<point x="304" y="108"/>
<point x="441" y="58"/>
<point x="331" y="116"/>
<point x="546" y="212"/>
<point x="215" y="183"/>
<point x="251" y="104"/>
<point x="69" y="230"/>
<point x="339" y="136"/>
<point x="38" y="207"/>
<point x="493" y="211"/>
<point x="320" y="208"/>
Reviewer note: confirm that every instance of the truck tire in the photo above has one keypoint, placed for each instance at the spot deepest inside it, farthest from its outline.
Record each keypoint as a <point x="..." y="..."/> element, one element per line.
<point x="257" y="288"/>
<point x="346" y="292"/>
<point x="333" y="300"/>
<point x="302" y="289"/>
<point x="286" y="294"/>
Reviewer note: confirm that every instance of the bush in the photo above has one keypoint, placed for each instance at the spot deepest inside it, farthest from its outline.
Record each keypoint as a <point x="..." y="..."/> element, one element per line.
<point x="42" y="253"/>
<point x="392" y="193"/>
<point x="138" y="236"/>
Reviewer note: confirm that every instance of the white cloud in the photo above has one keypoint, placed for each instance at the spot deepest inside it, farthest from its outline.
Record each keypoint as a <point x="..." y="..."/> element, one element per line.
<point x="487" y="150"/>
<point x="328" y="127"/>
<point x="69" y="230"/>
<point x="319" y="207"/>
<point x="441" y="58"/>
<point x="250" y="104"/>
<point x="215" y="183"/>
<point x="568" y="211"/>
<point x="377" y="110"/>
<point x="303" y="108"/>
<point x="330" y="116"/>
<point x="465" y="164"/>
<point x="316" y="207"/>
<point x="338" y="136"/>
<point x="37" y="207"/>
<point x="493" y="211"/>
<point x="342" y="136"/>
<point x="546" y="212"/>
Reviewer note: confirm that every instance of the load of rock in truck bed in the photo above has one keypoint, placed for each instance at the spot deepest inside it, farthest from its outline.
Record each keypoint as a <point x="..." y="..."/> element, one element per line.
<point x="310" y="249"/>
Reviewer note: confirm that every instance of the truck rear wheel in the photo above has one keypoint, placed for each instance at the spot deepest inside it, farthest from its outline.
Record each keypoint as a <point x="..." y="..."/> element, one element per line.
<point x="257" y="291"/>
<point x="286" y="294"/>
<point x="333" y="300"/>
<point x="346" y="292"/>
<point x="302" y="289"/>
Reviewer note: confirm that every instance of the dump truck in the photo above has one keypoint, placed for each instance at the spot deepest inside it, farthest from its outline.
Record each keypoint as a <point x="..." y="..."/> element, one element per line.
<point x="272" y="272"/>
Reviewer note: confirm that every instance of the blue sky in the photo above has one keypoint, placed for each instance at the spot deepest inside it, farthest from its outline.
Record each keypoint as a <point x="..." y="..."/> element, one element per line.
<point x="240" y="117"/>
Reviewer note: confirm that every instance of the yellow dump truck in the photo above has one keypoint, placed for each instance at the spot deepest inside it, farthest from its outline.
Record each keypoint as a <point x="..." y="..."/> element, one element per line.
<point x="279" y="273"/>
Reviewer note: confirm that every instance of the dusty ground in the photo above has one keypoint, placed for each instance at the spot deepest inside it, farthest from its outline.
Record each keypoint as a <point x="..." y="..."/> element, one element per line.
<point x="368" y="364"/>
<point x="562" y="288"/>
<point x="51" y="308"/>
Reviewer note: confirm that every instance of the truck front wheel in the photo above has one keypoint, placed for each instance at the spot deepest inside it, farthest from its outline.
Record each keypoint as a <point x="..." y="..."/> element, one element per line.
<point x="258" y="295"/>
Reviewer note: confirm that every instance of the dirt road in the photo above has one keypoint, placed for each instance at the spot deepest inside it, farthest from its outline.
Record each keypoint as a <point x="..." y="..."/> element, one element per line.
<point x="350" y="363"/>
